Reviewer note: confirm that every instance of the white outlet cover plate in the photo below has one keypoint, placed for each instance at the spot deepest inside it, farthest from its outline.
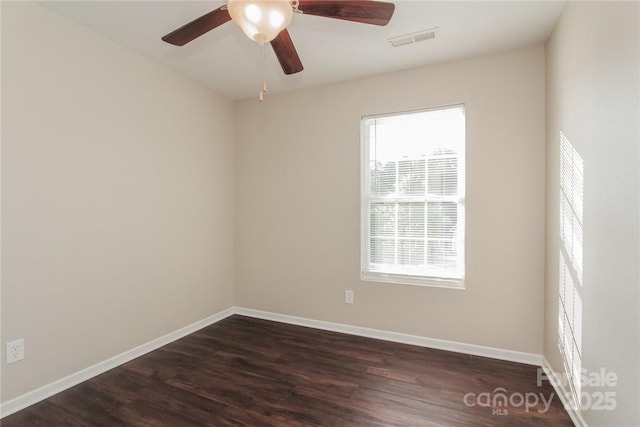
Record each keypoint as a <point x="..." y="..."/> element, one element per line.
<point x="15" y="350"/>
<point x="348" y="297"/>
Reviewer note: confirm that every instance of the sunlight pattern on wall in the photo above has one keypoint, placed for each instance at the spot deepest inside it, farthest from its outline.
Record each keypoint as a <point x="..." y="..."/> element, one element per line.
<point x="570" y="261"/>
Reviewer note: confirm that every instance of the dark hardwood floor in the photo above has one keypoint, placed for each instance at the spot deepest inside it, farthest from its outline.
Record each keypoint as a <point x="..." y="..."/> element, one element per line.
<point x="244" y="371"/>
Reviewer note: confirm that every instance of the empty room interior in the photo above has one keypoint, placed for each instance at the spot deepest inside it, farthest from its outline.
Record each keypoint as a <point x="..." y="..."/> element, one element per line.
<point x="361" y="213"/>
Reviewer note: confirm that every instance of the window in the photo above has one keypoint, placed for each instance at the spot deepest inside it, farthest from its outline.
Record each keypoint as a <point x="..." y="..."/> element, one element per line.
<point x="413" y="197"/>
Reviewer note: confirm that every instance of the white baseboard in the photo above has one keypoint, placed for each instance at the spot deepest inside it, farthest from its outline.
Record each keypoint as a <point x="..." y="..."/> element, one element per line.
<point x="458" y="347"/>
<point x="564" y="395"/>
<point x="11" y="406"/>
<point x="35" y="396"/>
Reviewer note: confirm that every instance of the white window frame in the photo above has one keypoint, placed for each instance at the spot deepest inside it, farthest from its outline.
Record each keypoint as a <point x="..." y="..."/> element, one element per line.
<point x="367" y="274"/>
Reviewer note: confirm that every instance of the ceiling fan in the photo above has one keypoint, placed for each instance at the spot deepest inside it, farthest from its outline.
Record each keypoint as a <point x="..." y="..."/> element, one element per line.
<point x="266" y="21"/>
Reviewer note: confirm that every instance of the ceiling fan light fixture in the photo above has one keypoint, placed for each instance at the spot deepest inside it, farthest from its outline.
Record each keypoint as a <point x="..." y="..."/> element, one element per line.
<point x="261" y="20"/>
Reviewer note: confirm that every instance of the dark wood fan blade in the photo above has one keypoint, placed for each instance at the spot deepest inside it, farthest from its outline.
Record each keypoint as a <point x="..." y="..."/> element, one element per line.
<point x="198" y="27"/>
<point x="286" y="53"/>
<point x="366" y="12"/>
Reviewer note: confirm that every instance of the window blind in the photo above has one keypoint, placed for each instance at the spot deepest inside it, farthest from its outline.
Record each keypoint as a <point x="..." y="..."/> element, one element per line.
<point x="413" y="196"/>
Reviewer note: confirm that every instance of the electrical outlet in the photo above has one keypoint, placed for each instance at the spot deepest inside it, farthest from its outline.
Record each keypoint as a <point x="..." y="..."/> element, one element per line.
<point x="348" y="297"/>
<point x="15" y="350"/>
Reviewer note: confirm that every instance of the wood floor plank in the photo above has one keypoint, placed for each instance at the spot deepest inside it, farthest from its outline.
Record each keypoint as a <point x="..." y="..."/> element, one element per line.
<point x="249" y="372"/>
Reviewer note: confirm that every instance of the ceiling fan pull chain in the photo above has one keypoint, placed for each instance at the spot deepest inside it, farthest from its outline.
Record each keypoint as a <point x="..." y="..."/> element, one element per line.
<point x="264" y="72"/>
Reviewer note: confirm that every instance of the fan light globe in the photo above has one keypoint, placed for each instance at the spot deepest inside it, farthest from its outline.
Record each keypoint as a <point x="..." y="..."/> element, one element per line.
<point x="261" y="20"/>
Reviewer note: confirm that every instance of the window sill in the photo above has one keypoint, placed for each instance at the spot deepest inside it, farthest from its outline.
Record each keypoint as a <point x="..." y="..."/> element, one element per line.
<point x="431" y="282"/>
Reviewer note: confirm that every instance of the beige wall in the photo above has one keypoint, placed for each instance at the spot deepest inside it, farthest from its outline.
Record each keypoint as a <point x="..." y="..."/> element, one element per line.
<point x="117" y="198"/>
<point x="593" y="73"/>
<point x="298" y="206"/>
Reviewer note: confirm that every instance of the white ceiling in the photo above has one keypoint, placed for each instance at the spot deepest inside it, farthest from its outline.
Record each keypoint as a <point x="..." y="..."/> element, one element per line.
<point x="331" y="50"/>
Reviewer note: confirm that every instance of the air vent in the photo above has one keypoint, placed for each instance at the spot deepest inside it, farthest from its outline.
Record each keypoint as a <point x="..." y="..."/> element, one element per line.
<point x="412" y="38"/>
